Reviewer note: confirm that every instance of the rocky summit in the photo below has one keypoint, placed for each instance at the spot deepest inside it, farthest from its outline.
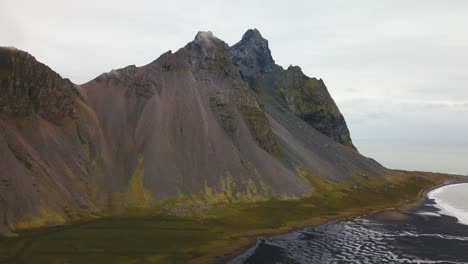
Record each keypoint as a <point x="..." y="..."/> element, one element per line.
<point x="220" y="123"/>
<point x="290" y="89"/>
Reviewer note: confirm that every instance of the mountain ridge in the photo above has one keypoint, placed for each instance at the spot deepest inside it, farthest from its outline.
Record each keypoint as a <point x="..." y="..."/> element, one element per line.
<point x="221" y="123"/>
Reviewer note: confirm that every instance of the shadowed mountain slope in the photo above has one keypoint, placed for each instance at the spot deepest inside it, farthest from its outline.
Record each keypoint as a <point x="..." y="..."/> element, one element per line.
<point x="210" y="121"/>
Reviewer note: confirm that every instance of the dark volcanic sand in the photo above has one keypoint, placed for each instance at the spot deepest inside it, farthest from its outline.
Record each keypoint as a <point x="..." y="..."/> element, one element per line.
<point x="419" y="235"/>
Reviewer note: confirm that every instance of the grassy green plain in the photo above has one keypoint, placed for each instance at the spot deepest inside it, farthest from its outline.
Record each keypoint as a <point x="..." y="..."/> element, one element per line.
<point x="225" y="229"/>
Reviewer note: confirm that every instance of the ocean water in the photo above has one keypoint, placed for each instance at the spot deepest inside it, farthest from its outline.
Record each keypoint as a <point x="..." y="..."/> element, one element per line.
<point x="435" y="232"/>
<point x="417" y="156"/>
<point x="452" y="200"/>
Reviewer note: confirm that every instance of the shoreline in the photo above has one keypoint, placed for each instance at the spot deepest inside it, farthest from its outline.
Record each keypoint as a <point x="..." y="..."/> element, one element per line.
<point x="421" y="199"/>
<point x="253" y="239"/>
<point x="423" y="195"/>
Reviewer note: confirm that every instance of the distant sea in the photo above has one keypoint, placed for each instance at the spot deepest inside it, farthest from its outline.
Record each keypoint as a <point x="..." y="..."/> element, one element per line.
<point x="434" y="232"/>
<point x="421" y="156"/>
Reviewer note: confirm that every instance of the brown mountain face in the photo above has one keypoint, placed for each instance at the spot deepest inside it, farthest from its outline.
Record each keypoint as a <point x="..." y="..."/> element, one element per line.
<point x="209" y="122"/>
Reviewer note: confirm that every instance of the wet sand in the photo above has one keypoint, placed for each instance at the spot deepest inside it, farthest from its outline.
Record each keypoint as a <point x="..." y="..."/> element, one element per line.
<point x="413" y="233"/>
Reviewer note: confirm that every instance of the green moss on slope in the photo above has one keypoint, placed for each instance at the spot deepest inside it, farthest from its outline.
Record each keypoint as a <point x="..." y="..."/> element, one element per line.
<point x="260" y="128"/>
<point x="137" y="195"/>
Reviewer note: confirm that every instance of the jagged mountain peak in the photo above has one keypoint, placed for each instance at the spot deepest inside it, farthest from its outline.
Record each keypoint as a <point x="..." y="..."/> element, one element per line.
<point x="252" y="54"/>
<point x="253" y="35"/>
<point x="204" y="36"/>
<point x="206" y="39"/>
<point x="204" y="46"/>
<point x="307" y="97"/>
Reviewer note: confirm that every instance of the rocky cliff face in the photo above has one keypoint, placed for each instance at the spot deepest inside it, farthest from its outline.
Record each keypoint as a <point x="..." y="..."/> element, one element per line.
<point x="50" y="146"/>
<point x="208" y="123"/>
<point x="30" y="87"/>
<point x="307" y="98"/>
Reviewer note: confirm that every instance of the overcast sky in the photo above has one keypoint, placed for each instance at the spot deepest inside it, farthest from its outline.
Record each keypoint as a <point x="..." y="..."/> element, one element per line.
<point x="398" y="70"/>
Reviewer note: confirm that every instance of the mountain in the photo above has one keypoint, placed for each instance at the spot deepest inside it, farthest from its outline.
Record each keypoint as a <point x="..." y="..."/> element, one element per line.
<point x="307" y="98"/>
<point x="219" y="123"/>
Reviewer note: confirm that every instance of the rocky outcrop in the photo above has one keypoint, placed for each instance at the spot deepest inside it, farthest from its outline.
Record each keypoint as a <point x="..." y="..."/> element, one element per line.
<point x="307" y="98"/>
<point x="28" y="86"/>
<point x="310" y="100"/>
<point x="209" y="122"/>
<point x="50" y="147"/>
<point x="252" y="55"/>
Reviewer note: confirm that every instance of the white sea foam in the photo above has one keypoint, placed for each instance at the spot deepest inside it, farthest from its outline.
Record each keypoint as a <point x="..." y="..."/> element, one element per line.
<point x="428" y="213"/>
<point x="452" y="200"/>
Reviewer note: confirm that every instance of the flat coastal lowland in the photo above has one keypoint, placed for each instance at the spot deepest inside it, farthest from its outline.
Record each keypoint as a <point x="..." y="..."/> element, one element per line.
<point x="218" y="233"/>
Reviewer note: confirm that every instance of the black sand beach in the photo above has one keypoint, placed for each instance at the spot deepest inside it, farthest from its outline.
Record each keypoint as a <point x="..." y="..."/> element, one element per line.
<point x="413" y="235"/>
